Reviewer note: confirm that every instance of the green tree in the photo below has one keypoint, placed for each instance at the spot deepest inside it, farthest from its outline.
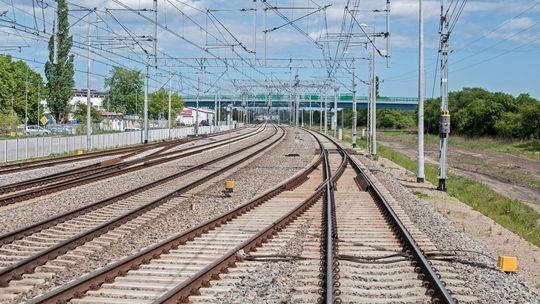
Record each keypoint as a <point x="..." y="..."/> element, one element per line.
<point x="13" y="76"/>
<point x="60" y="81"/>
<point x="125" y="91"/>
<point x="524" y="122"/>
<point x="80" y="114"/>
<point x="395" y="119"/>
<point x="159" y="103"/>
<point x="478" y="112"/>
<point x="8" y="122"/>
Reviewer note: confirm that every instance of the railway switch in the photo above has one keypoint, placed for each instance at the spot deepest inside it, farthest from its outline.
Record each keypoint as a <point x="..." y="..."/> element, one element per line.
<point x="508" y="263"/>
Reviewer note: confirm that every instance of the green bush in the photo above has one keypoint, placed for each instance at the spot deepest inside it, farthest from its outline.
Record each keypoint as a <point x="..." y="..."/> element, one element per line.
<point x="8" y="123"/>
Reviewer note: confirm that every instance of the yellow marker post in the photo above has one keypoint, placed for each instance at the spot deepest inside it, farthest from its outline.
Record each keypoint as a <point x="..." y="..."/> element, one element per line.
<point x="508" y="263"/>
<point x="229" y="185"/>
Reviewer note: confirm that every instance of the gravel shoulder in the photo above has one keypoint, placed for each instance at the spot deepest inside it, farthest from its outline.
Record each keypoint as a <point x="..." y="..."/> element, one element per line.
<point x="205" y="202"/>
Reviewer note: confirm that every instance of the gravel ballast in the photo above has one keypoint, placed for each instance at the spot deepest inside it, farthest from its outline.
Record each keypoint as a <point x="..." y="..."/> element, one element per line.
<point x="478" y="271"/>
<point x="24" y="213"/>
<point x="204" y="202"/>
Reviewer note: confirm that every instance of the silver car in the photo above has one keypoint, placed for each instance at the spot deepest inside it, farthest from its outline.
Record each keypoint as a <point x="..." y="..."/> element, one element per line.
<point x="36" y="130"/>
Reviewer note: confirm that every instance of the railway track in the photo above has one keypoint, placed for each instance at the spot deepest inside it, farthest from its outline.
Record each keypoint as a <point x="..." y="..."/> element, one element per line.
<point x="97" y="225"/>
<point x="64" y="180"/>
<point x="123" y="153"/>
<point x="356" y="249"/>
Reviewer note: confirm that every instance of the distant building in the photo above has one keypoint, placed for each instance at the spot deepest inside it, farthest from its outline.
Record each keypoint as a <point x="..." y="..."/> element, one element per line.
<point x="111" y="121"/>
<point x="188" y="116"/>
<point x="96" y="98"/>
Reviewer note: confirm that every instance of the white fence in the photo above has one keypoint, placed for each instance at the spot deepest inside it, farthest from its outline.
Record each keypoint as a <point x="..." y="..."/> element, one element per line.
<point x="30" y="147"/>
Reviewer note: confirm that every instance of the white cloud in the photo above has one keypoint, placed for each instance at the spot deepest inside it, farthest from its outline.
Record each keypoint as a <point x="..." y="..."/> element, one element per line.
<point x="518" y="24"/>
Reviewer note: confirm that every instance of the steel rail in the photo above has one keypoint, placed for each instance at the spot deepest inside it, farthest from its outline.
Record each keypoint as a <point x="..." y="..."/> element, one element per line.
<point x="43" y="163"/>
<point x="107" y="172"/>
<point x="108" y="165"/>
<point x="329" y="239"/>
<point x="55" y="220"/>
<point x="27" y="265"/>
<point x="435" y="287"/>
<point x="330" y="245"/>
<point x="181" y="292"/>
<point x="93" y="280"/>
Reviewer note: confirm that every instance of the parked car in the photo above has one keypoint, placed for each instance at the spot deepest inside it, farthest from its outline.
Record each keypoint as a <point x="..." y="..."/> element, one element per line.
<point x="131" y="129"/>
<point x="57" y="130"/>
<point x="36" y="130"/>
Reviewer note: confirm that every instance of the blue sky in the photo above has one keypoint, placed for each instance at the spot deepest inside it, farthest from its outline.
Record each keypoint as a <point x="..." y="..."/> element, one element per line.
<point x="495" y="44"/>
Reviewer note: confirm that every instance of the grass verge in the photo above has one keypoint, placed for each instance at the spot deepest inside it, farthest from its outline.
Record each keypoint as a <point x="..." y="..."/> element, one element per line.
<point x="511" y="214"/>
<point x="529" y="148"/>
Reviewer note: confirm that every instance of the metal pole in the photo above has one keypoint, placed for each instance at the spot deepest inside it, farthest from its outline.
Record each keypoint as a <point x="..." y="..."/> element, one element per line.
<point x="38" y="98"/>
<point x="214" y="118"/>
<point x="254" y="32"/>
<point x="88" y="100"/>
<point x="310" y="112"/>
<point x="197" y="106"/>
<point x="265" y="33"/>
<point x="170" y="104"/>
<point x="444" y="123"/>
<point x="155" y="33"/>
<point x="296" y="110"/>
<point x="334" y="124"/>
<point x="320" y="114"/>
<point x="290" y="109"/>
<point x="55" y="38"/>
<point x="342" y="119"/>
<point x="421" y="87"/>
<point x="26" y="103"/>
<point x="146" y="124"/>
<point x="374" y="102"/>
<point x="353" y="131"/>
<point x="325" y="113"/>
<point x="388" y="33"/>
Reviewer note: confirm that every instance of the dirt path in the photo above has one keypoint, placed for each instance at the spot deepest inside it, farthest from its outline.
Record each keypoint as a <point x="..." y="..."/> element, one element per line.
<point x="506" y="174"/>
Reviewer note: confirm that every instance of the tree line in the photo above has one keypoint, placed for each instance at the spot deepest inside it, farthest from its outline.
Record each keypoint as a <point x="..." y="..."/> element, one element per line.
<point x="478" y="112"/>
<point x="474" y="112"/>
